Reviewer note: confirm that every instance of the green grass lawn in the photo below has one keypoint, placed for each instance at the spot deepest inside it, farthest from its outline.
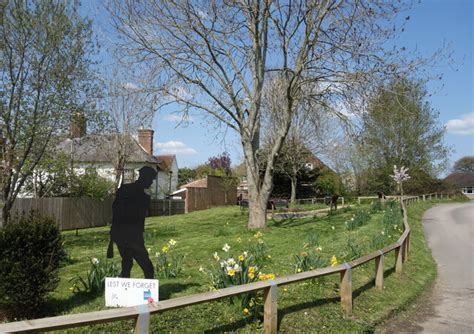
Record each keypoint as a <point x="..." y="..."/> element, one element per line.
<point x="307" y="306"/>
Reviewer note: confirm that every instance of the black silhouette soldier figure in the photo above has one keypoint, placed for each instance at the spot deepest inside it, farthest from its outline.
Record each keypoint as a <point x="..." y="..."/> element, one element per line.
<point x="128" y="222"/>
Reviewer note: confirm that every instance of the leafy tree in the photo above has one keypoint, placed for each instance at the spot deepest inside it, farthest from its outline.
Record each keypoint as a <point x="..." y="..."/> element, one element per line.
<point x="216" y="56"/>
<point x="51" y="177"/>
<point x="400" y="128"/>
<point x="329" y="183"/>
<point x="465" y="164"/>
<point x="220" y="165"/>
<point x="186" y="175"/>
<point x="221" y="162"/>
<point x="45" y="77"/>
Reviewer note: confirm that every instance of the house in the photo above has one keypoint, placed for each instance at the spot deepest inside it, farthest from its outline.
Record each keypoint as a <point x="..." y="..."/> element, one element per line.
<point x="312" y="162"/>
<point x="463" y="181"/>
<point x="208" y="192"/>
<point x="99" y="154"/>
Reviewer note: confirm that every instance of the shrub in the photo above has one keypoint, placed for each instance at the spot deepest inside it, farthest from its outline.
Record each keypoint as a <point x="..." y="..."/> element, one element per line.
<point x="96" y="275"/>
<point x="31" y="248"/>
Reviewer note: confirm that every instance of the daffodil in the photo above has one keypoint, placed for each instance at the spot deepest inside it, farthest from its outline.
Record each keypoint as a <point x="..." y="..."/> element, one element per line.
<point x="260" y="241"/>
<point x="319" y="248"/>
<point x="304" y="254"/>
<point x="216" y="257"/>
<point x="172" y="242"/>
<point x="258" y="235"/>
<point x="201" y="269"/>
<point x="226" y="248"/>
<point x="333" y="261"/>
<point x="231" y="272"/>
<point x="241" y="258"/>
<point x="95" y="261"/>
<point x="246" y="311"/>
<point x="165" y="249"/>
<point x="239" y="240"/>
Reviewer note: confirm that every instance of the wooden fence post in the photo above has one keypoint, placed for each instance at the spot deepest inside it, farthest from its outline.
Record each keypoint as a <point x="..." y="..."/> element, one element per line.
<point x="142" y="323"/>
<point x="379" y="271"/>
<point x="407" y="244"/>
<point x="270" y="308"/>
<point x="346" y="289"/>
<point x="399" y="258"/>
<point x="405" y="250"/>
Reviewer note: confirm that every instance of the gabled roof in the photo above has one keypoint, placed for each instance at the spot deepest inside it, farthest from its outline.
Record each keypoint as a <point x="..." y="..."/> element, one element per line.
<point x="165" y="162"/>
<point x="461" y="179"/>
<point x="317" y="163"/>
<point x="104" y="148"/>
<point x="201" y="183"/>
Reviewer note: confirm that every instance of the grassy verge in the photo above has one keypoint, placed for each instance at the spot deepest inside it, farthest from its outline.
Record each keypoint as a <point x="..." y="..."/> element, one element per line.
<point x="308" y="306"/>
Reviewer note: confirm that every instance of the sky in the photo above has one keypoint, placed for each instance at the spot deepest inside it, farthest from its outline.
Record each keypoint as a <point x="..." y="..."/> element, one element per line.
<point x="432" y="24"/>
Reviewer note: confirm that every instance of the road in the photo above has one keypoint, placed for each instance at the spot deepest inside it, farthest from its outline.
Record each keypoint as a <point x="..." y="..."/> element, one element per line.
<point x="449" y="307"/>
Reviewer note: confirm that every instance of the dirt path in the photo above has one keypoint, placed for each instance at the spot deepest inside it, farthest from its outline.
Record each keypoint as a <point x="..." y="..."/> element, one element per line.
<point x="449" y="306"/>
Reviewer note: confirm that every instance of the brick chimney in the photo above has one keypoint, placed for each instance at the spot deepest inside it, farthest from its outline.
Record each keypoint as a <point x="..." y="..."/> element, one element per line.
<point x="78" y="124"/>
<point x="145" y="139"/>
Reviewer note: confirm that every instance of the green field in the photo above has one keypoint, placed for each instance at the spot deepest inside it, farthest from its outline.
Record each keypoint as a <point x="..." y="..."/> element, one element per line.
<point x="307" y="306"/>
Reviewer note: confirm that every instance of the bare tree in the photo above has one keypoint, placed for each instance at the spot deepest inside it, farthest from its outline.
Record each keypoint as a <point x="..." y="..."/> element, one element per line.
<point x="129" y="106"/>
<point x="216" y="55"/>
<point x="45" y="76"/>
<point x="313" y="131"/>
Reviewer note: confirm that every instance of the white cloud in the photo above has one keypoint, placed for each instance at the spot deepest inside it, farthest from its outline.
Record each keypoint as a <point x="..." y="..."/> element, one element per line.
<point x="175" y="147"/>
<point x="130" y="86"/>
<point x="177" y="118"/>
<point x="462" y="126"/>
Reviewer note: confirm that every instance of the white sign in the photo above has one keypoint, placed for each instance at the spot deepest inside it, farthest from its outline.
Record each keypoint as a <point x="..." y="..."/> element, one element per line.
<point x="123" y="292"/>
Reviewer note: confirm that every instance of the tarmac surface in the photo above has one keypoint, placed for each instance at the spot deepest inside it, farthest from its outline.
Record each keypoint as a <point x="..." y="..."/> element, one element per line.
<point x="449" y="306"/>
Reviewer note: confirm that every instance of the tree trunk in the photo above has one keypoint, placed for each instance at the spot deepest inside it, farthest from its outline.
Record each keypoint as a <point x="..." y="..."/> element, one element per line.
<point x="259" y="188"/>
<point x="293" y="190"/>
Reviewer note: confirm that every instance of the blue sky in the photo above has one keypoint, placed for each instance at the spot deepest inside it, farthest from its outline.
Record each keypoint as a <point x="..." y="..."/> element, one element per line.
<point x="432" y="23"/>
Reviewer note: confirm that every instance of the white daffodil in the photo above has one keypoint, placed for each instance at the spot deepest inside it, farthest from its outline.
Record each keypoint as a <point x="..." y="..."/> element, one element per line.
<point x="226" y="248"/>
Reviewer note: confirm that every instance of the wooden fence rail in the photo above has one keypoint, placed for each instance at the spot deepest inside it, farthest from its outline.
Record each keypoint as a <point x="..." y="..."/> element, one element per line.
<point x="141" y="313"/>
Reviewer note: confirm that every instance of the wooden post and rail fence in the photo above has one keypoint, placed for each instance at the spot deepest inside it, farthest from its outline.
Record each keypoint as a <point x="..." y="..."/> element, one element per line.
<point x="141" y="314"/>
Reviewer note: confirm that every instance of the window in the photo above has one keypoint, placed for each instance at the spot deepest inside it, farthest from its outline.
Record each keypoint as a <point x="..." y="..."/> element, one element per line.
<point x="91" y="171"/>
<point x="468" y="190"/>
<point x="128" y="175"/>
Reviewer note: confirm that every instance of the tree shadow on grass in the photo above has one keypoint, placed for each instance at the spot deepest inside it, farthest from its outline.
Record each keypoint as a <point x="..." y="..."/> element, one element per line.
<point x="166" y="290"/>
<point x="238" y="324"/>
<point x="291" y="222"/>
<point x="56" y="306"/>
